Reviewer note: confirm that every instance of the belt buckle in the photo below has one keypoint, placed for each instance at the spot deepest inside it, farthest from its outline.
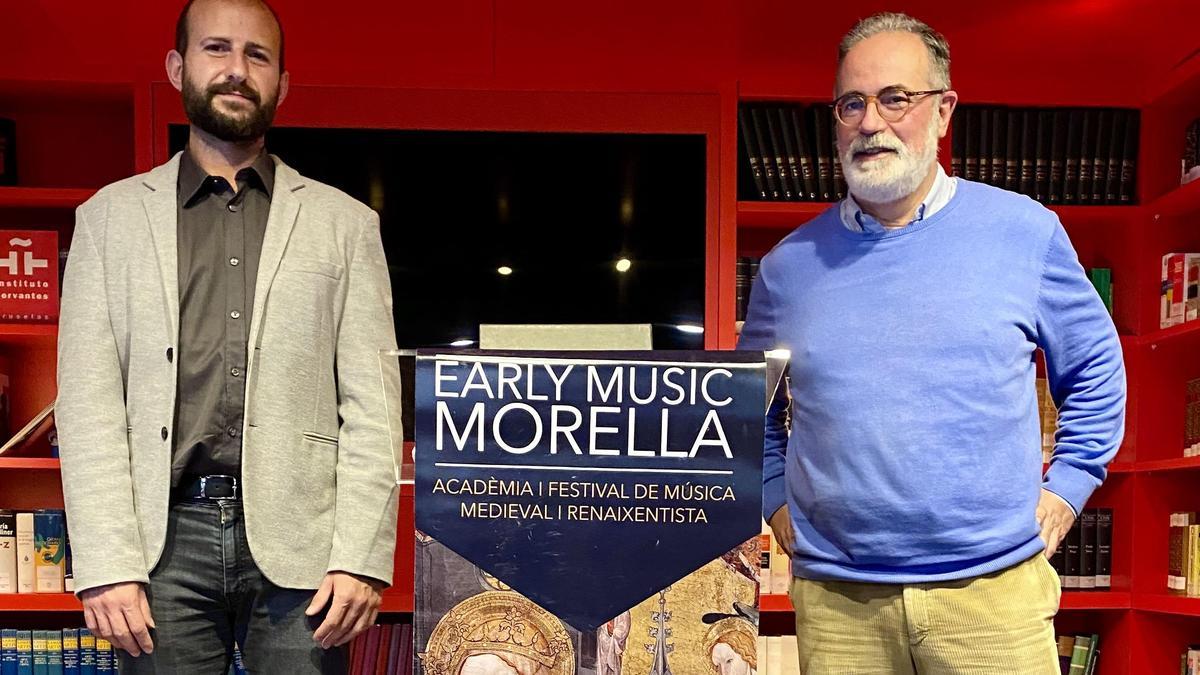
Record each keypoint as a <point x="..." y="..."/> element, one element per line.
<point x="204" y="486"/>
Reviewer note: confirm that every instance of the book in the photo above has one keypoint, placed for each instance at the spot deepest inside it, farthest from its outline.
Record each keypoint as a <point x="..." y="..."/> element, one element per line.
<point x="958" y="144"/>
<point x="821" y="150"/>
<point x="54" y="652"/>
<point x="1177" y="556"/>
<point x="8" y="552"/>
<point x="24" y="652"/>
<point x="1129" y="158"/>
<point x="999" y="127"/>
<point x="1104" y="523"/>
<point x="1192" y="562"/>
<point x="807" y="167"/>
<point x="105" y="657"/>
<point x="1072" y="559"/>
<point x="789" y="153"/>
<point x="70" y="651"/>
<point x="769" y="168"/>
<point x="1071" y="161"/>
<point x="1012" y="152"/>
<point x="1083" y="193"/>
<point x="1089" y="665"/>
<point x="25" y="553"/>
<point x="1116" y="152"/>
<point x="1087" y="550"/>
<point x="27" y="431"/>
<point x="41" y="665"/>
<point x="971" y="144"/>
<point x="1028" y="152"/>
<point x="1100" y="155"/>
<point x="1041" y="166"/>
<point x="781" y="569"/>
<point x="752" y="153"/>
<point x="87" y="652"/>
<point x="1058" y="158"/>
<point x="1066" y="647"/>
<point x="1079" y="656"/>
<point x="49" y="531"/>
<point x="983" y="127"/>
<point x="775" y="148"/>
<point x="8" y="651"/>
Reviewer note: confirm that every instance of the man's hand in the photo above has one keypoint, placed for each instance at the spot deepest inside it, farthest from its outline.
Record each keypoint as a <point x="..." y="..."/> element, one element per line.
<point x="1055" y="517"/>
<point x="353" y="605"/>
<point x="120" y="614"/>
<point x="781" y="525"/>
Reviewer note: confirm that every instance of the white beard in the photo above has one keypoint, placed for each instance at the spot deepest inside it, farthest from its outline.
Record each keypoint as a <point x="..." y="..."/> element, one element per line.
<point x="893" y="177"/>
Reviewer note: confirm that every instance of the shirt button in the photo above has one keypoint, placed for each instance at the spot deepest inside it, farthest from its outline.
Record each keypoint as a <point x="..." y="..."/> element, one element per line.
<point x="232" y="431"/>
<point x="235" y="314"/>
<point x="235" y="372"/>
<point x="170" y="355"/>
<point x="233" y="207"/>
<point x="234" y="262"/>
<point x="164" y="433"/>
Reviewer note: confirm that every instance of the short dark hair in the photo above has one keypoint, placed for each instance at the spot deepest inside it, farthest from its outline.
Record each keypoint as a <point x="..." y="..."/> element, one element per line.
<point x="181" y="28"/>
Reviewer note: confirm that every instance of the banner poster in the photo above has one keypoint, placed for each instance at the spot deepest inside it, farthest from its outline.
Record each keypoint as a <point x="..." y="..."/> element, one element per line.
<point x="587" y="512"/>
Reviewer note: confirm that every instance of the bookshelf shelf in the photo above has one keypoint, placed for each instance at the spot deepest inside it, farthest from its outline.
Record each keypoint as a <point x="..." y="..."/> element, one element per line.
<point x="772" y="602"/>
<point x="1083" y="600"/>
<point x="30" y="463"/>
<point x="1183" y="200"/>
<point x="782" y="215"/>
<point x="1172" y="333"/>
<point x="400" y="602"/>
<point x="40" y="602"/>
<point x="28" y="334"/>
<point x="1176" y="464"/>
<point x="1168" y="604"/>
<point x="42" y="197"/>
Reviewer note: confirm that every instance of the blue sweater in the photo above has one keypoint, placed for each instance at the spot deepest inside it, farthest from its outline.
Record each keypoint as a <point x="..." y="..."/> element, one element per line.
<point x="915" y="446"/>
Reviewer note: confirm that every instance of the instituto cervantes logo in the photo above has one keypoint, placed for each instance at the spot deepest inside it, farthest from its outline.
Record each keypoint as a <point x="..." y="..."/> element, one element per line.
<point x="29" y="275"/>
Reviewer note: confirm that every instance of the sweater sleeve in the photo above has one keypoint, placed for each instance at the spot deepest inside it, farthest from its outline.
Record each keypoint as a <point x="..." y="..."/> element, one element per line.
<point x="1086" y="373"/>
<point x="758" y="334"/>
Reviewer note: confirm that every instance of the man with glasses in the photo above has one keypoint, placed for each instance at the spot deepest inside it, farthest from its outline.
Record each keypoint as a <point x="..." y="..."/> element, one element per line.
<point x="907" y="492"/>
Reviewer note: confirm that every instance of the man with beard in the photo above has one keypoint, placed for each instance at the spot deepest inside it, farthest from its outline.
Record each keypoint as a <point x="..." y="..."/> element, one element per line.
<point x="907" y="492"/>
<point x="227" y="467"/>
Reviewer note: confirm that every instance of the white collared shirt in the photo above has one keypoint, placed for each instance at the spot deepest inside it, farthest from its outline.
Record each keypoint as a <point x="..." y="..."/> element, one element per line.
<point x="940" y="194"/>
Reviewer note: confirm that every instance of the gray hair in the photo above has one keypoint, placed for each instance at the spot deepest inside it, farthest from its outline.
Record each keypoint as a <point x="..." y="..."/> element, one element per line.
<point x="894" y="22"/>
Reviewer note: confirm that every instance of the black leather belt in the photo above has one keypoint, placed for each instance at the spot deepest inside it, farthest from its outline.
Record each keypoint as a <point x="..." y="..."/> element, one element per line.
<point x="206" y="488"/>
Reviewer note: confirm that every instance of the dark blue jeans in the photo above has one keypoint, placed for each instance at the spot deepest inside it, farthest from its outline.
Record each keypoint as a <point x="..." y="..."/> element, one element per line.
<point x="206" y="593"/>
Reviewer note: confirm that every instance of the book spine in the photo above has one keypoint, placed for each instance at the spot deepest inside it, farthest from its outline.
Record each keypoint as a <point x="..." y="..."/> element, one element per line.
<point x="822" y="145"/>
<point x="1104" y="523"/>
<point x="8" y="552"/>
<point x="1087" y="132"/>
<point x="971" y="145"/>
<point x="1129" y="158"/>
<point x="807" y="163"/>
<point x="1072" y="561"/>
<point x="1041" y="171"/>
<point x="54" y="652"/>
<point x="105" y="661"/>
<point x="40" y="664"/>
<point x="958" y="144"/>
<point x="25" y="553"/>
<point x="70" y="651"/>
<point x="1066" y="648"/>
<point x="1058" y="158"/>
<point x="770" y="170"/>
<point x="1083" y="645"/>
<point x="777" y="155"/>
<point x="1087" y="550"/>
<point x="789" y="149"/>
<point x="983" y="127"/>
<point x="999" y="151"/>
<point x="750" y="148"/>
<point x="1071" y="163"/>
<point x="49" y="551"/>
<point x="24" y="652"/>
<point x="1193" y="562"/>
<point x="1100" y="156"/>
<point x="1116" y="152"/>
<point x="8" y="651"/>
<point x="87" y="652"/>
<point x="1028" y="152"/>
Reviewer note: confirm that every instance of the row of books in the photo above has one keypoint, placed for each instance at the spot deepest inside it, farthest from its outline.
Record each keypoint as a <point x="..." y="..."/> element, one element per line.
<point x="1189" y="661"/>
<point x="1191" y="420"/>
<point x="747" y="269"/>
<point x="1056" y="156"/>
<point x="383" y="650"/>
<point x="790" y="153"/>
<point x="1183" y="555"/>
<point x="1190" y="165"/>
<point x="777" y="655"/>
<point x="35" y="555"/>
<point x="1078" y="655"/>
<point x="70" y="651"/>
<point x="1179" y="297"/>
<point x="1084" y="558"/>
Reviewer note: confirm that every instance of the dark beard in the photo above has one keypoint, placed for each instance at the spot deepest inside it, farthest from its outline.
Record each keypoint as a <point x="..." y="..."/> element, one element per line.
<point x="202" y="112"/>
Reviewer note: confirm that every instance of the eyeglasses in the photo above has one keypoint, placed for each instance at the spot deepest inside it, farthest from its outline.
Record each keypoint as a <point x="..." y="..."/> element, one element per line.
<point x="892" y="103"/>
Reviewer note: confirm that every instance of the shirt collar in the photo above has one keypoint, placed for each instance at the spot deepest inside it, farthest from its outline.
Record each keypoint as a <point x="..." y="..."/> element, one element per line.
<point x="857" y="220"/>
<point x="193" y="180"/>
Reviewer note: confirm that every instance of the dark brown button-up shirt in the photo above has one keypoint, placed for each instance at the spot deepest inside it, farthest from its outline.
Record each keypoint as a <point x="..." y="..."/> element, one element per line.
<point x="220" y="237"/>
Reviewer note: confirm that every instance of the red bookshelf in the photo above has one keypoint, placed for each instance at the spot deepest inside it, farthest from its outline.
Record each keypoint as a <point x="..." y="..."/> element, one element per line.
<point x="38" y="602"/>
<point x="84" y="123"/>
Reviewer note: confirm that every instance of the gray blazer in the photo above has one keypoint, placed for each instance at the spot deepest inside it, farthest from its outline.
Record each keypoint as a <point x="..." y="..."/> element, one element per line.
<point x="318" y="470"/>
